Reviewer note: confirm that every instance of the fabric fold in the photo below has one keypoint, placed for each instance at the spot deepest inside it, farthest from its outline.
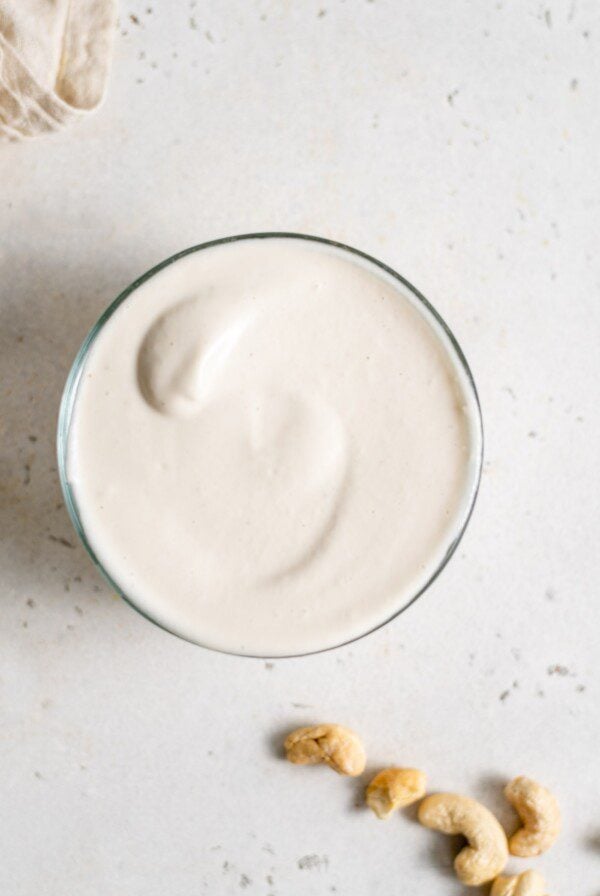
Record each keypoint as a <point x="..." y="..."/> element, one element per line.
<point x="54" y="62"/>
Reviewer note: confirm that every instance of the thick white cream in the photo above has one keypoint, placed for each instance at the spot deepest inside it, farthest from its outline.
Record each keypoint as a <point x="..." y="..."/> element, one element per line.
<point x="273" y="446"/>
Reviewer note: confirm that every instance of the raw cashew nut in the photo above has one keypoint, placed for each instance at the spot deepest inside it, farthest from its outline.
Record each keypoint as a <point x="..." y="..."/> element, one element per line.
<point x="529" y="883"/>
<point x="485" y="856"/>
<point x="540" y="814"/>
<point x="339" y="747"/>
<point x="393" y="788"/>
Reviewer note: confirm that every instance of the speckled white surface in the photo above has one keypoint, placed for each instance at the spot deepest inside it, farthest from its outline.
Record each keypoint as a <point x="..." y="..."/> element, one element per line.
<point x="458" y="142"/>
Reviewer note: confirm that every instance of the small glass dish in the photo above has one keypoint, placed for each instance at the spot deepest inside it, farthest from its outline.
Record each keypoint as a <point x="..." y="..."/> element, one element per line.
<point x="70" y="396"/>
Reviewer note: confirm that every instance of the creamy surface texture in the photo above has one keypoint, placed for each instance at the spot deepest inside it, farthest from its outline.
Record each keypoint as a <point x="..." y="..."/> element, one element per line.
<point x="273" y="446"/>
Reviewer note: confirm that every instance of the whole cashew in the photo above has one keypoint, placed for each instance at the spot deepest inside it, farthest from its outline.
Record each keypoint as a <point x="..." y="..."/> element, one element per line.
<point x="485" y="856"/>
<point x="393" y="788"/>
<point x="540" y="814"/>
<point x="529" y="883"/>
<point x="339" y="747"/>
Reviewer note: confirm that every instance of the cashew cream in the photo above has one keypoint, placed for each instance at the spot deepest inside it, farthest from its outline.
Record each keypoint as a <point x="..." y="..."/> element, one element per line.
<point x="273" y="447"/>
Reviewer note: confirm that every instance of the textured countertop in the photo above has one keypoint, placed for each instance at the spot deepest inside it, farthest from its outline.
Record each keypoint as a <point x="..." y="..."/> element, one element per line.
<point x="459" y="143"/>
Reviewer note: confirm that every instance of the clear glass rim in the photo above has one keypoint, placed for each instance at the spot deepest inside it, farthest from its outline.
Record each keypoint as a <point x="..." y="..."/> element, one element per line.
<point x="70" y="392"/>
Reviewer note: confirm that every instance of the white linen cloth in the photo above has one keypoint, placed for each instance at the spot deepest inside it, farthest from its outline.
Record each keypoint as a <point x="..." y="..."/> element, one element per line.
<point x="54" y="62"/>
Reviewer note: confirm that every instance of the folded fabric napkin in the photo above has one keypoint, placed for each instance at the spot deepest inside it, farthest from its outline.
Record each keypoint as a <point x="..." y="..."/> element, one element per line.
<point x="54" y="61"/>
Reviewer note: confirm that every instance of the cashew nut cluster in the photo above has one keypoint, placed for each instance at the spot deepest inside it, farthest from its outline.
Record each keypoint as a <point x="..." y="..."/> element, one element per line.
<point x="486" y="854"/>
<point x="339" y="747"/>
<point x="540" y="813"/>
<point x="393" y="788"/>
<point x="529" y="883"/>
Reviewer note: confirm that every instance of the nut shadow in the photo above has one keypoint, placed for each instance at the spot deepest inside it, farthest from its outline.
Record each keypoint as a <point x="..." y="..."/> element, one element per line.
<point x="592" y="843"/>
<point x="440" y="852"/>
<point x="490" y="791"/>
<point x="276" y="738"/>
<point x="358" y="786"/>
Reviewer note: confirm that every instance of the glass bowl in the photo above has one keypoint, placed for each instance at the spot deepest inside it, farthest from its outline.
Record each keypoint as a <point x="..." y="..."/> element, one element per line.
<point x="69" y="398"/>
